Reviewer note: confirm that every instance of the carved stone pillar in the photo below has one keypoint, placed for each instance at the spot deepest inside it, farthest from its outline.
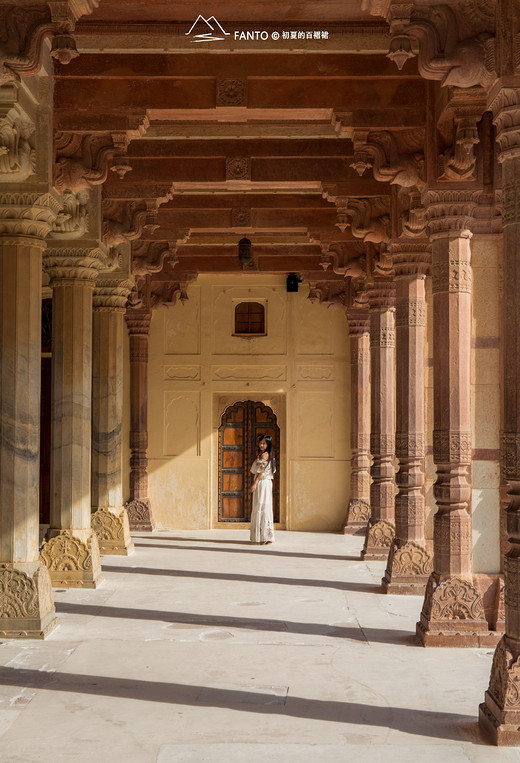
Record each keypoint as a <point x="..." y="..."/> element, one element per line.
<point x="109" y="516"/>
<point x="26" y="603"/>
<point x="453" y="611"/>
<point x="409" y="564"/>
<point x="500" y="711"/>
<point x="358" y="512"/>
<point x="380" y="529"/>
<point x="139" y="509"/>
<point x="71" y="550"/>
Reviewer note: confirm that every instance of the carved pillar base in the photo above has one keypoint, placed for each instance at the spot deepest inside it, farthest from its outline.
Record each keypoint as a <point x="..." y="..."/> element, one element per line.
<point x="72" y="563"/>
<point x="499" y="714"/>
<point x="140" y="515"/>
<point x="378" y="539"/>
<point x="408" y="570"/>
<point x="358" y="514"/>
<point x="453" y="614"/>
<point x="112" y="529"/>
<point x="26" y="604"/>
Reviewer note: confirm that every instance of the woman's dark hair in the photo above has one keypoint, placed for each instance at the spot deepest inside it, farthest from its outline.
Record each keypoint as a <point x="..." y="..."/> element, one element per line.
<point x="269" y="442"/>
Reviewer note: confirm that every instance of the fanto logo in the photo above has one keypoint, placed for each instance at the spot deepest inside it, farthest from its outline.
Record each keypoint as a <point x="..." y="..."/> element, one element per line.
<point x="207" y="30"/>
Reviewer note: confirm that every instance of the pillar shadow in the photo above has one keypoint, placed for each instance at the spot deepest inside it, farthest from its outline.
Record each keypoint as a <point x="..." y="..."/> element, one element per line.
<point x="253" y="549"/>
<point x="354" y="633"/>
<point x="337" y="584"/>
<point x="413" y="721"/>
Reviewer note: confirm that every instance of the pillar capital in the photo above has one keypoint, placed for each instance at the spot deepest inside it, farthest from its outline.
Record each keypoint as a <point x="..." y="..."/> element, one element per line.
<point x="411" y="259"/>
<point x="358" y="322"/>
<point x="450" y="212"/>
<point x="111" y="293"/>
<point x="381" y="294"/>
<point x="26" y="216"/>
<point x="504" y="102"/>
<point x="79" y="263"/>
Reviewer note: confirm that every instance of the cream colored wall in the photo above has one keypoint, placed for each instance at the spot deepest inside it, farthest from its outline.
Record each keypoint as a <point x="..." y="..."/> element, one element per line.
<point x="485" y="403"/>
<point x="197" y="368"/>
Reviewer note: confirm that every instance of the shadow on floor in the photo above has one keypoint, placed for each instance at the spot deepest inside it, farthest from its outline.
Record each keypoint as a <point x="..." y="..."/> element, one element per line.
<point x="248" y="549"/>
<point x="338" y="584"/>
<point x="426" y="723"/>
<point x="180" y="619"/>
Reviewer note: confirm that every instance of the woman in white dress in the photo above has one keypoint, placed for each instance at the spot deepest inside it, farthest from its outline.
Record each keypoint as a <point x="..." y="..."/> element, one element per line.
<point x="264" y="467"/>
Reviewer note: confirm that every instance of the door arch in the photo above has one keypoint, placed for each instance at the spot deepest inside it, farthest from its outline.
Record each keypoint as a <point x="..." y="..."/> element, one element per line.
<point x="240" y="426"/>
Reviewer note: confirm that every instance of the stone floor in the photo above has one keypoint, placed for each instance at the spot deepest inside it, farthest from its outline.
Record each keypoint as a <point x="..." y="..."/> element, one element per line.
<point x="200" y="647"/>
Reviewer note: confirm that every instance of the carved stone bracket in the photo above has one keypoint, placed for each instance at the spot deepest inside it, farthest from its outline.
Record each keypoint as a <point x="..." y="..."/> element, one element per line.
<point x="71" y="562"/>
<point x="356" y="520"/>
<point x="466" y="108"/>
<point x="73" y="220"/>
<point x="150" y="256"/>
<point x="112" y="530"/>
<point x="369" y="218"/>
<point x="378" y="151"/>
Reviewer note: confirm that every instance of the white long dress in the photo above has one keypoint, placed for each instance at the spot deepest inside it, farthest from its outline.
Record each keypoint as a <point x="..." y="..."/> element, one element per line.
<point x="262" y="530"/>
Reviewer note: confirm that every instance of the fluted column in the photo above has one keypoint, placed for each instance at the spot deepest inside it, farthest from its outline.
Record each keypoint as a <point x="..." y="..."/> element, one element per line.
<point x="453" y="611"/>
<point x="139" y="508"/>
<point x="109" y="516"/>
<point x="26" y="603"/>
<point x="409" y="564"/>
<point x="71" y="550"/>
<point x="500" y="711"/>
<point x="380" y="529"/>
<point x="358" y="511"/>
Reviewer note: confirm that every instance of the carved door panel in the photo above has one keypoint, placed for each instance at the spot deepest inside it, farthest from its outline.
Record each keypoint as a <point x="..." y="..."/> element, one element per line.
<point x="240" y="427"/>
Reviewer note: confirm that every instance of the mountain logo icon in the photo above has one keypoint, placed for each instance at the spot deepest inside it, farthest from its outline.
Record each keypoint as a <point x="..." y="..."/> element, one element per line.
<point x="207" y="30"/>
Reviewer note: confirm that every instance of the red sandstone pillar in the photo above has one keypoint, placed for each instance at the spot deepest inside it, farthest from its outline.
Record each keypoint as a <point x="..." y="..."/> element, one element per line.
<point x="500" y="711"/>
<point x="358" y="512"/>
<point x="409" y="564"/>
<point x="138" y="507"/>
<point x="380" y="529"/>
<point x="453" y="612"/>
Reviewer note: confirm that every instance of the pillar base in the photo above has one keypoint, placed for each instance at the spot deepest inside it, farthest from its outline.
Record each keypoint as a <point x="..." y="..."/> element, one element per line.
<point x="499" y="714"/>
<point x="140" y="515"/>
<point x="71" y="563"/>
<point x="453" y="615"/>
<point x="26" y="603"/>
<point x="408" y="570"/>
<point x="358" y="514"/>
<point x="378" y="539"/>
<point x="112" y="531"/>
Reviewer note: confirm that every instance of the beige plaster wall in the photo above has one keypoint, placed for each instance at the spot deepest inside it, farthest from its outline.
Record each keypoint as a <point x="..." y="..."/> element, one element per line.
<point x="485" y="403"/>
<point x="197" y="368"/>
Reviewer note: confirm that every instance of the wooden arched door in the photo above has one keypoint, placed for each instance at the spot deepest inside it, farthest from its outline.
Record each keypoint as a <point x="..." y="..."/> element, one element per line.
<point x="238" y="433"/>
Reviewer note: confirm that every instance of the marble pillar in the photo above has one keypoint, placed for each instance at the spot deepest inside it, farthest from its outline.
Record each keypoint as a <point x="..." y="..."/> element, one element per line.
<point x="139" y="508"/>
<point x="380" y="528"/>
<point x="71" y="549"/>
<point x="109" y="516"/>
<point x="26" y="603"/>
<point x="409" y="564"/>
<point x="453" y="611"/>
<point x="500" y="711"/>
<point x="358" y="512"/>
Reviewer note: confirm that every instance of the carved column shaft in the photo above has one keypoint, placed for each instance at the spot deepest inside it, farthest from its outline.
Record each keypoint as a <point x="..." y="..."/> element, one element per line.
<point x="139" y="513"/>
<point x="453" y="611"/>
<point x="358" y="511"/>
<point x="109" y="517"/>
<point x="72" y="274"/>
<point x="409" y="564"/>
<point x="500" y="712"/>
<point x="380" y="530"/>
<point x="26" y="604"/>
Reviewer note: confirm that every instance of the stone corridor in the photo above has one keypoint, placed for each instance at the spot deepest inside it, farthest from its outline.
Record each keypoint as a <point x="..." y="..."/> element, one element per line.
<point x="200" y="647"/>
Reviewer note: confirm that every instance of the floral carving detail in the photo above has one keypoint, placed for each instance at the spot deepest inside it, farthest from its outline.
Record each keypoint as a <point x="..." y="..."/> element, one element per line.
<point x="380" y="535"/>
<point x="231" y="92"/>
<point x="504" y="684"/>
<point x="411" y="559"/>
<point x="453" y="599"/>
<point x="18" y="594"/>
<point x="358" y="510"/>
<point x="67" y="553"/>
<point x="108" y="526"/>
<point x="238" y="168"/>
<point x="140" y="514"/>
<point x="241" y="217"/>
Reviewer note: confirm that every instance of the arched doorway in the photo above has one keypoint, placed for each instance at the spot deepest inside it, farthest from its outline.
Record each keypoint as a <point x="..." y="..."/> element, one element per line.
<point x="238" y="433"/>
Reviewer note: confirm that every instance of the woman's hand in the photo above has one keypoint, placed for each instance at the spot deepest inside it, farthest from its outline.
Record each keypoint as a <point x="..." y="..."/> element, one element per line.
<point x="253" y="486"/>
